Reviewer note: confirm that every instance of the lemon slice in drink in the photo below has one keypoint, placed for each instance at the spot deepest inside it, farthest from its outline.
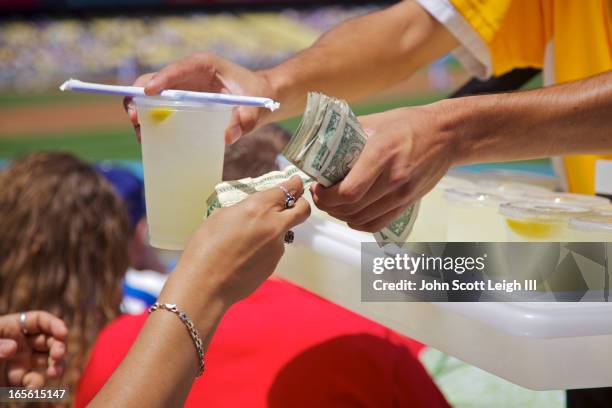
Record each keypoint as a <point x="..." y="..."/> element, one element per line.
<point x="534" y="229"/>
<point x="160" y="114"/>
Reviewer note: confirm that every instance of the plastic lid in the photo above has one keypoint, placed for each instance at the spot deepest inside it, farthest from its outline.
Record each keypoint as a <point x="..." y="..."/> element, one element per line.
<point x="533" y="210"/>
<point x="512" y="190"/>
<point x="592" y="223"/>
<point x="472" y="198"/>
<point x="569" y="199"/>
<point x="603" y="210"/>
<point x="156" y="101"/>
<point x="455" y="182"/>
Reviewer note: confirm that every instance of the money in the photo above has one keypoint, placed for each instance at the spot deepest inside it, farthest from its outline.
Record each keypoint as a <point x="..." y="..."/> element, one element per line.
<point x="324" y="148"/>
<point x="228" y="193"/>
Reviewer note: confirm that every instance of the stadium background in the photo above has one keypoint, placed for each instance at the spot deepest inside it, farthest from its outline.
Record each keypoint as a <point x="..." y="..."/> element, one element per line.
<point x="43" y="43"/>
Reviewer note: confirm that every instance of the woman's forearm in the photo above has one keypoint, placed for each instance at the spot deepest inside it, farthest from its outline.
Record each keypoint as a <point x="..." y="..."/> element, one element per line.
<point x="565" y="119"/>
<point x="162" y="364"/>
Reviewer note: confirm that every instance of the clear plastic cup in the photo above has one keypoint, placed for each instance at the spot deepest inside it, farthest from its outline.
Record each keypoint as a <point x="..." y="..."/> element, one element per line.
<point x="510" y="190"/>
<point x="456" y="181"/>
<point x="593" y="227"/>
<point x="182" y="153"/>
<point x="473" y="217"/>
<point x="539" y="221"/>
<point x="604" y="210"/>
<point x="570" y="199"/>
<point x="431" y="223"/>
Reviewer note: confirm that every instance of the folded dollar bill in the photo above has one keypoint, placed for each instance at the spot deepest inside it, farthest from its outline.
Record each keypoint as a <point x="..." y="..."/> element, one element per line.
<point x="228" y="193"/>
<point x="324" y="148"/>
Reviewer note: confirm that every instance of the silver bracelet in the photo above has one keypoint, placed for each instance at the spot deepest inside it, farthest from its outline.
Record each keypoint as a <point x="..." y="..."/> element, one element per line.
<point x="197" y="341"/>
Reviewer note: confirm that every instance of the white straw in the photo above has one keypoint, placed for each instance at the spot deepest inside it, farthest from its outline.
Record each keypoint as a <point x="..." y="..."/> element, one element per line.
<point x="204" y="97"/>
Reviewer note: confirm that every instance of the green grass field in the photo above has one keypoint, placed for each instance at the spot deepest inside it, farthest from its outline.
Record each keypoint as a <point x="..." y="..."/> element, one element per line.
<point x="119" y="143"/>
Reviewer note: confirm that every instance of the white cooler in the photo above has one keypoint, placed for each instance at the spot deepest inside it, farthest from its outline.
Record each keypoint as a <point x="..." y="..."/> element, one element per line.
<point x="541" y="346"/>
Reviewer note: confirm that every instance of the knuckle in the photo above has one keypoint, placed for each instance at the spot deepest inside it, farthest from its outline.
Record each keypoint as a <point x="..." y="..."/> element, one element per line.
<point x="351" y="192"/>
<point x="359" y="219"/>
<point x="397" y="176"/>
<point x="319" y="202"/>
<point x="250" y="208"/>
<point x="343" y="211"/>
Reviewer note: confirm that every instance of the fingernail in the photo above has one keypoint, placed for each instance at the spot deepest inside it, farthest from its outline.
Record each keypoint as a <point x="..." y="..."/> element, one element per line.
<point x="235" y="133"/>
<point x="369" y="131"/>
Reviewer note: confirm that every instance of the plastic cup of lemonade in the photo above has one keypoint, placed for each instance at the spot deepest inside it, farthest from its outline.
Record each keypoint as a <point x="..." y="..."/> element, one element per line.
<point x="593" y="227"/>
<point x="182" y="154"/>
<point x="473" y="216"/>
<point x="539" y="221"/>
<point x="571" y="199"/>
<point x="431" y="223"/>
<point x="511" y="190"/>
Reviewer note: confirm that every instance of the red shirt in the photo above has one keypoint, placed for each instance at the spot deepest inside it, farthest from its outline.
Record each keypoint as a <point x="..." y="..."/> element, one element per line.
<point x="285" y="347"/>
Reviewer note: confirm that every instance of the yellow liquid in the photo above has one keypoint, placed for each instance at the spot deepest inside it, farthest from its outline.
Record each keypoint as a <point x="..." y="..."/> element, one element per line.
<point x="182" y="153"/>
<point x="534" y="230"/>
<point x="160" y="114"/>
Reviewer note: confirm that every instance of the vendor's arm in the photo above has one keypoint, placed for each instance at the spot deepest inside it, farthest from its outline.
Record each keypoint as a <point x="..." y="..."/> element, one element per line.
<point x="411" y="148"/>
<point x="353" y="60"/>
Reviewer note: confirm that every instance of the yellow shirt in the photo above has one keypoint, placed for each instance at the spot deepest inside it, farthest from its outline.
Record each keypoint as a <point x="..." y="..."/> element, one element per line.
<point x="518" y="32"/>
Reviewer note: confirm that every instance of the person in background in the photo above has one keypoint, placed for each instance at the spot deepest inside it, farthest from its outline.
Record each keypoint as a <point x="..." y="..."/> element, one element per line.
<point x="63" y="248"/>
<point x="146" y="273"/>
<point x="32" y="349"/>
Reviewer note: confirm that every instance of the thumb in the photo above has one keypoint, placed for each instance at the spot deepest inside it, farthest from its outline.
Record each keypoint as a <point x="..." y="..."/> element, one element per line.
<point x="8" y="348"/>
<point x="243" y="120"/>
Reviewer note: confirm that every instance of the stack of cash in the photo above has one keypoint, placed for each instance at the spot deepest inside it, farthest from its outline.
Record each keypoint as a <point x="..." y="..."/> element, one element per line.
<point x="325" y="147"/>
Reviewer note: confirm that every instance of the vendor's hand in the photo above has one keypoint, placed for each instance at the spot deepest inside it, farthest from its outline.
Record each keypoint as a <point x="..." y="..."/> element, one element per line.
<point x="209" y="73"/>
<point x="28" y="360"/>
<point x="404" y="157"/>
<point x="235" y="250"/>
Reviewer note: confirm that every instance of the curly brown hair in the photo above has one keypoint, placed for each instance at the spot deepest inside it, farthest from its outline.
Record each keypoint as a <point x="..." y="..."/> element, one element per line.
<point x="63" y="247"/>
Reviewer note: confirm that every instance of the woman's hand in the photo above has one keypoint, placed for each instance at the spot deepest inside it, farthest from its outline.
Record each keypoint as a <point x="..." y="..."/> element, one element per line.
<point x="229" y="256"/>
<point x="406" y="154"/>
<point x="207" y="72"/>
<point x="29" y="359"/>
<point x="235" y="250"/>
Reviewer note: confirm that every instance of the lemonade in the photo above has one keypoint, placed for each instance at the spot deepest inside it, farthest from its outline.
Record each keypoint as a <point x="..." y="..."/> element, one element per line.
<point x="539" y="221"/>
<point x="182" y="153"/>
<point x="473" y="216"/>
<point x="592" y="228"/>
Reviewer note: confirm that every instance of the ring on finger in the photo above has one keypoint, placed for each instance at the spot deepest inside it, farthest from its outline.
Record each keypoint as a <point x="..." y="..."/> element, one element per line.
<point x="22" y="323"/>
<point x="289" y="198"/>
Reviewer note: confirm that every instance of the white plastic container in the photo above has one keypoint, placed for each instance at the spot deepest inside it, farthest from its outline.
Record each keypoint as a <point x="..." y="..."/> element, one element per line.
<point x="541" y="346"/>
<point x="182" y="154"/>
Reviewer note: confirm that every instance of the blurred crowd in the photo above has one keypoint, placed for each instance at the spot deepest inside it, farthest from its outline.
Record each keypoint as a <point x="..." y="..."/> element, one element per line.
<point x="43" y="53"/>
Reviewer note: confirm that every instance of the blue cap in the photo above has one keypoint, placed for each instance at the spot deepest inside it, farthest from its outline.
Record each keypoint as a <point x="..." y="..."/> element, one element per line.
<point x="128" y="186"/>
